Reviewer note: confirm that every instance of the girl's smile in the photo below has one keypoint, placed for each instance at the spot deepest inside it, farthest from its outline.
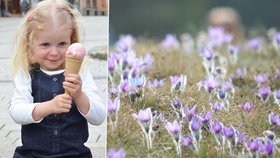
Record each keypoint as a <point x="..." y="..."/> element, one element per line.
<point x="50" y="45"/>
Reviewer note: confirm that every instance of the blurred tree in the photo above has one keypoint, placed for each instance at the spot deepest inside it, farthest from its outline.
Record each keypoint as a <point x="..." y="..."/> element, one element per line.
<point x="159" y="17"/>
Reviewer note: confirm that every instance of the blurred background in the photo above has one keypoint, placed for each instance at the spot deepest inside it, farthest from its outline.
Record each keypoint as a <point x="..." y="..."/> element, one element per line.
<point x="86" y="7"/>
<point x="156" y="18"/>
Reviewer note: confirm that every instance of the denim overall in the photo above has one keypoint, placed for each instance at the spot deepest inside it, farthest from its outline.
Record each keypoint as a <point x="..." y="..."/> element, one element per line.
<point x="57" y="135"/>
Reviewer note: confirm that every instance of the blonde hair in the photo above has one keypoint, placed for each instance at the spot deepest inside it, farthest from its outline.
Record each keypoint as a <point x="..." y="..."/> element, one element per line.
<point x="42" y="14"/>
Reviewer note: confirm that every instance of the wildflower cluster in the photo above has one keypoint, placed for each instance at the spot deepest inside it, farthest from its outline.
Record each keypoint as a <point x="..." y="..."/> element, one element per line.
<point x="202" y="96"/>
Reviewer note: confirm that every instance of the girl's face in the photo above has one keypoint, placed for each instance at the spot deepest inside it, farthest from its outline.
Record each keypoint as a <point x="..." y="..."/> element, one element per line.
<point x="49" y="46"/>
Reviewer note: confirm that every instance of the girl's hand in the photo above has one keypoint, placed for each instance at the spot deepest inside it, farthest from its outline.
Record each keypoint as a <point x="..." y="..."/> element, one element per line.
<point x="73" y="84"/>
<point x="61" y="104"/>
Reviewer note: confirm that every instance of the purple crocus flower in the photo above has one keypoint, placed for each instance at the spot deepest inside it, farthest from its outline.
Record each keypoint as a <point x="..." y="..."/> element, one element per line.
<point x="230" y="135"/>
<point x="113" y="92"/>
<point x="153" y="84"/>
<point x="241" y="137"/>
<point x="190" y="113"/>
<point x="147" y="62"/>
<point x="195" y="128"/>
<point x="205" y="119"/>
<point x="222" y="94"/>
<point x="187" y="141"/>
<point x="264" y="93"/>
<point x="145" y="120"/>
<point x="247" y="107"/>
<point x="176" y="103"/>
<point x="267" y="148"/>
<point x="218" y="36"/>
<point x="128" y="60"/>
<point x="134" y="72"/>
<point x="269" y="134"/>
<point x="125" y="86"/>
<point x="122" y="46"/>
<point x="195" y="124"/>
<point x="216" y="127"/>
<point x="255" y="44"/>
<point x="113" y="107"/>
<point x="261" y="78"/>
<point x="156" y="83"/>
<point x="178" y="83"/>
<point x="174" y="79"/>
<point x="252" y="145"/>
<point x="138" y="82"/>
<point x="215" y="107"/>
<point x="144" y="116"/>
<point x="112" y="63"/>
<point x="241" y="73"/>
<point x="177" y="106"/>
<point x="174" y="128"/>
<point x="274" y="119"/>
<point x="211" y="83"/>
<point x="277" y="38"/>
<point x="125" y="42"/>
<point x="277" y="75"/>
<point x="170" y="41"/>
<point x="227" y="85"/>
<point x="207" y="54"/>
<point x="276" y="96"/>
<point x="161" y="82"/>
<point x="125" y="75"/>
<point x="228" y="132"/>
<point x="113" y="153"/>
<point x="276" y="42"/>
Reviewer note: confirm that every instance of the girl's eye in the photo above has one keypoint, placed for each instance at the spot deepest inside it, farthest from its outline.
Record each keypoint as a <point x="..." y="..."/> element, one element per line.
<point x="44" y="44"/>
<point x="63" y="44"/>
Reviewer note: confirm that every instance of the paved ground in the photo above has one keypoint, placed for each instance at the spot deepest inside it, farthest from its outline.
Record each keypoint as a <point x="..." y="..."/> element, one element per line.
<point x="96" y="39"/>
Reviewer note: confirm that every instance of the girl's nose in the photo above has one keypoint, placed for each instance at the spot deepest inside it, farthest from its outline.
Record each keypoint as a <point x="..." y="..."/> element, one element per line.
<point x="54" y="51"/>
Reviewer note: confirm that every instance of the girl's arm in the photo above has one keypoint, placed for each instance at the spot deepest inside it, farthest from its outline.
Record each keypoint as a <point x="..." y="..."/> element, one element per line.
<point x="22" y="101"/>
<point x="23" y="109"/>
<point x="86" y="97"/>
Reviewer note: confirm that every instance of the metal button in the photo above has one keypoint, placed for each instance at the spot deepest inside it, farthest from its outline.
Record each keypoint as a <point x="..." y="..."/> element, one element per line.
<point x="55" y="132"/>
<point x="54" y="94"/>
<point x="54" y="79"/>
<point x="55" y="115"/>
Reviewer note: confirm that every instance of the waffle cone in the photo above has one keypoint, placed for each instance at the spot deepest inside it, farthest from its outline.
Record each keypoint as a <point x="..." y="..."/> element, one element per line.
<point x="72" y="65"/>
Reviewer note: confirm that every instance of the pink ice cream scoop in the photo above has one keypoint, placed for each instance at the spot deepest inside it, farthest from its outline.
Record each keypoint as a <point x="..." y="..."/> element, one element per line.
<point x="76" y="50"/>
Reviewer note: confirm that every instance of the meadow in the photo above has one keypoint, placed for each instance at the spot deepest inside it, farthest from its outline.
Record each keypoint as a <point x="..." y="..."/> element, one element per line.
<point x="202" y="96"/>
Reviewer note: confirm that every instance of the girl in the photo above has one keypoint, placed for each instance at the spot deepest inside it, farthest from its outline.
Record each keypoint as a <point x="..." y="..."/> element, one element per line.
<point x="54" y="124"/>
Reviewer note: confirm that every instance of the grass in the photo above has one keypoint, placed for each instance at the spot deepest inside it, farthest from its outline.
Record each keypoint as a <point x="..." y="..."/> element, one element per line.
<point x="128" y="132"/>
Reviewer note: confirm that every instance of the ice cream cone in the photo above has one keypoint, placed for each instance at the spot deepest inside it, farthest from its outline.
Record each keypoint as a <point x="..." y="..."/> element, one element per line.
<point x="74" y="59"/>
<point x="72" y="65"/>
